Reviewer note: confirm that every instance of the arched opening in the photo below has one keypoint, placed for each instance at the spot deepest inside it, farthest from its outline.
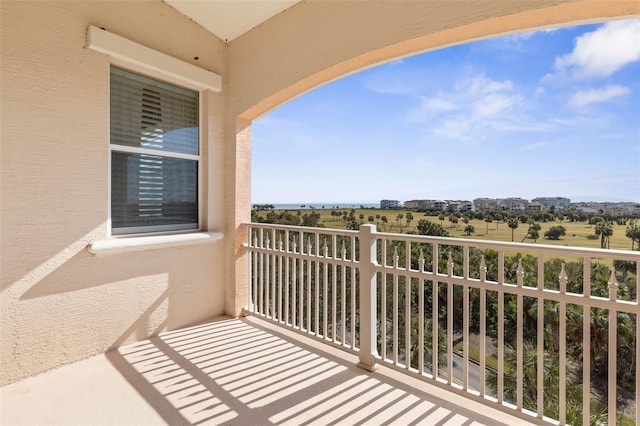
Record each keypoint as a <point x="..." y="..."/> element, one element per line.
<point x="497" y="88"/>
<point x="315" y="42"/>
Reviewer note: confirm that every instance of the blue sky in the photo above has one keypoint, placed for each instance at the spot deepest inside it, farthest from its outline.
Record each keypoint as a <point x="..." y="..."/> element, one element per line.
<point x="548" y="113"/>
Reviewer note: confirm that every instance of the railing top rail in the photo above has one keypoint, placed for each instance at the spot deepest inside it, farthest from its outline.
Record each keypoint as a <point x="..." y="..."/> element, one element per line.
<point x="486" y="244"/>
<point x="521" y="247"/>
<point x="328" y="231"/>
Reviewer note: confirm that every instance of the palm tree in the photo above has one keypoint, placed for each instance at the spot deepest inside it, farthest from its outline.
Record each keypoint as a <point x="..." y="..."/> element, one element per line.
<point x="428" y="346"/>
<point x="513" y="224"/>
<point x="633" y="232"/>
<point x="409" y="218"/>
<point x="551" y="381"/>
<point x="497" y="217"/>
<point x="488" y="219"/>
<point x="605" y="231"/>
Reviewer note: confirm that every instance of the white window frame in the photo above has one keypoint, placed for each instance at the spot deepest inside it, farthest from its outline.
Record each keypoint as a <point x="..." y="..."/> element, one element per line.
<point x="131" y="56"/>
<point x="160" y="229"/>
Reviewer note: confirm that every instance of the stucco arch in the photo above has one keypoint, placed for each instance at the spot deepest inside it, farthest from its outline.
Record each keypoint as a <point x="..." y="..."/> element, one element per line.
<point x="316" y="42"/>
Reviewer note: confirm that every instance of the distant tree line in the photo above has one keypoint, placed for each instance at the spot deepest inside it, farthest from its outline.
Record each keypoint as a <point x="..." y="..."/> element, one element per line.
<point x="603" y="222"/>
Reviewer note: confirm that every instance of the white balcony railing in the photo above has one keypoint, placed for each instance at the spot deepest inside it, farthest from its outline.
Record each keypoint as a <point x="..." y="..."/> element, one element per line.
<point x="543" y="331"/>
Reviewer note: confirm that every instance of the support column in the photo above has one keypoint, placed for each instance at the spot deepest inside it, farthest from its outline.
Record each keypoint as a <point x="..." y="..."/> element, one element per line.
<point x="368" y="308"/>
<point x="237" y="285"/>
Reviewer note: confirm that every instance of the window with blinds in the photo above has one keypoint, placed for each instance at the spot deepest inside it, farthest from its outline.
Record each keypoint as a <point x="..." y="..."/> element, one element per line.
<point x="154" y="155"/>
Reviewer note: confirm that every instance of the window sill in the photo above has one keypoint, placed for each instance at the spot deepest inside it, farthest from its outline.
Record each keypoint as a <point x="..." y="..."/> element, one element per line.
<point x="127" y="245"/>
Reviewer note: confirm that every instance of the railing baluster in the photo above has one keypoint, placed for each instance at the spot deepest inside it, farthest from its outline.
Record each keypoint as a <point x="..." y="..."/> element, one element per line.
<point x="261" y="303"/>
<point x="383" y="308"/>
<point x="435" y="321"/>
<point x="407" y="307"/>
<point x="256" y="276"/>
<point x="271" y="265"/>
<point x="562" y="337"/>
<point x="520" y="337"/>
<point x="309" y="283"/>
<point x="612" y="348"/>
<point x="317" y="286"/>
<point x="449" y="321"/>
<point x="466" y="308"/>
<point x="334" y="290"/>
<point x="352" y="318"/>
<point x="294" y="284"/>
<point x="325" y="290"/>
<point x="301" y="281"/>
<point x="500" y="327"/>
<point x="586" y="343"/>
<point x="540" y="339"/>
<point x="395" y="305"/>
<point x="280" y="261"/>
<point x="267" y="277"/>
<point x="343" y="298"/>
<point x="421" y="316"/>
<point x="287" y="282"/>
<point x="483" y="328"/>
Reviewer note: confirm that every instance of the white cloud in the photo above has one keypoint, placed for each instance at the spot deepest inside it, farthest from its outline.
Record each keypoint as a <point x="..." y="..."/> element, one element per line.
<point x="586" y="97"/>
<point x="492" y="105"/>
<point x="602" y="52"/>
<point x="438" y="104"/>
<point x="473" y="108"/>
<point x="482" y="85"/>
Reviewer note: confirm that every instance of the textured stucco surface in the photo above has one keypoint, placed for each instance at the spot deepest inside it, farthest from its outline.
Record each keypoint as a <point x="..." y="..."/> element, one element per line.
<point x="315" y="42"/>
<point x="59" y="303"/>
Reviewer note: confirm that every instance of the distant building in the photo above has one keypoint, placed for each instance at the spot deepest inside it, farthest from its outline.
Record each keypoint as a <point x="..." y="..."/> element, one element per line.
<point x="439" y="205"/>
<point x="484" y="203"/>
<point x="415" y="204"/>
<point x="595" y="207"/>
<point x="390" y="204"/>
<point x="465" y="206"/>
<point x="512" y="203"/>
<point x="424" y="205"/>
<point x="556" y="202"/>
<point x="453" y="207"/>
<point x="535" y="206"/>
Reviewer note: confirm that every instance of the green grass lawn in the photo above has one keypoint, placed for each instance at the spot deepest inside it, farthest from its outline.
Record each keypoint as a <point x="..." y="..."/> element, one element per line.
<point x="576" y="236"/>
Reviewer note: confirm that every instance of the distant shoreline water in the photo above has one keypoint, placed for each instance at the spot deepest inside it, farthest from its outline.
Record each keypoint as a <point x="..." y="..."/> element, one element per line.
<point x="309" y="206"/>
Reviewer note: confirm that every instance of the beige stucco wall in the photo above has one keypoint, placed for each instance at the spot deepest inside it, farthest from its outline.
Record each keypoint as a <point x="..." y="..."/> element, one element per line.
<point x="59" y="303"/>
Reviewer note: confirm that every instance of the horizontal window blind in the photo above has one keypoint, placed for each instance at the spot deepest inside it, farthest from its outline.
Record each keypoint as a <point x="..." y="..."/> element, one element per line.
<point x="147" y="113"/>
<point x="156" y="190"/>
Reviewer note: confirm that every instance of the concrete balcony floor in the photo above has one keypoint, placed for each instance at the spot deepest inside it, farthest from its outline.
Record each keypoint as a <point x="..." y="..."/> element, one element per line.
<point x="234" y="371"/>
